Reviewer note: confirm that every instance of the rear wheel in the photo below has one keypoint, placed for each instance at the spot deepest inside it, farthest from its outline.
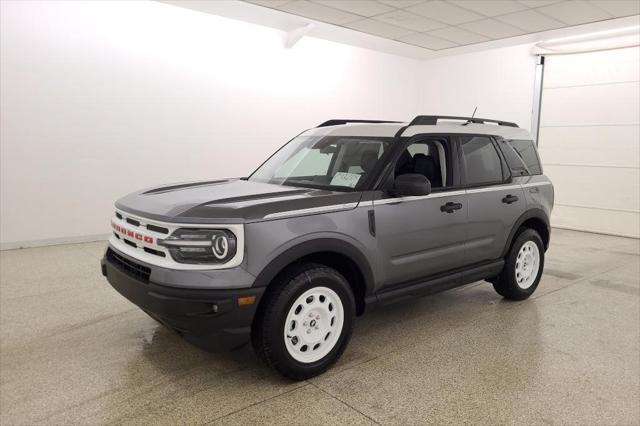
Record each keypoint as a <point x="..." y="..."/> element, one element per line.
<point x="305" y="322"/>
<point x="523" y="267"/>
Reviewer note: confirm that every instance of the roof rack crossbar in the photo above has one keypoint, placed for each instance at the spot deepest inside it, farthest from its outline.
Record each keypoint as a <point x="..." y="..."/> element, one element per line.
<point x="432" y="120"/>
<point x="336" y="122"/>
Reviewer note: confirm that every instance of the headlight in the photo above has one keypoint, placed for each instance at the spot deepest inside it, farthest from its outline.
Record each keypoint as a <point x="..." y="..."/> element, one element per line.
<point x="201" y="245"/>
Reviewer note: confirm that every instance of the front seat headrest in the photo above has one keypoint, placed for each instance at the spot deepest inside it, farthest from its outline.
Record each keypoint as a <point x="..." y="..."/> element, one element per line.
<point x="404" y="163"/>
<point x="368" y="160"/>
<point x="426" y="166"/>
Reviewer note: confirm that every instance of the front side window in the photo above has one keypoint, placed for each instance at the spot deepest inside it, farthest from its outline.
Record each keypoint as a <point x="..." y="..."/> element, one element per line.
<point x="482" y="163"/>
<point x="427" y="157"/>
<point x="331" y="162"/>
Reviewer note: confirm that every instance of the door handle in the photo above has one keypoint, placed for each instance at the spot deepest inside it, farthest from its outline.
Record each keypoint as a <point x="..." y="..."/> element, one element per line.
<point x="534" y="190"/>
<point x="450" y="207"/>
<point x="510" y="199"/>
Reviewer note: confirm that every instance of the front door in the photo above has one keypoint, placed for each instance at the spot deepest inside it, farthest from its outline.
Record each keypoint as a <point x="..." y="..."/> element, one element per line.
<point x="423" y="236"/>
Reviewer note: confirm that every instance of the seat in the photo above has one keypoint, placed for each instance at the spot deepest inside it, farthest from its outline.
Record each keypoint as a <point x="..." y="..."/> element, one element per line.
<point x="368" y="160"/>
<point x="426" y="166"/>
<point x="404" y="163"/>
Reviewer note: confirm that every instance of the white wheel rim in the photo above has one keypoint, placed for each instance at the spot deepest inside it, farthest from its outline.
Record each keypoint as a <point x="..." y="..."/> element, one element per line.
<point x="314" y="324"/>
<point x="527" y="265"/>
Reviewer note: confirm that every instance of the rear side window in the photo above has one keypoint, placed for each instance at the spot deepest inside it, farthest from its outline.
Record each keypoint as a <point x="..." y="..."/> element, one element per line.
<point x="522" y="157"/>
<point x="482" y="163"/>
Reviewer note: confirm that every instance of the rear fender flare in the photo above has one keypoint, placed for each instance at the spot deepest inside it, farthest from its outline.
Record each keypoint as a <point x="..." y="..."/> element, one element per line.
<point x="529" y="214"/>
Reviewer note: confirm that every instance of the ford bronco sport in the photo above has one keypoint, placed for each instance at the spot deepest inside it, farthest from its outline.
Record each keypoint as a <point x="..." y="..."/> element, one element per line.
<point x="346" y="216"/>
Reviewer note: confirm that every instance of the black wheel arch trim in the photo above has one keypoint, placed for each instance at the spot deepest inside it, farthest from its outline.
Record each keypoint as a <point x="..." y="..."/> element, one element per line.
<point x="321" y="245"/>
<point x="529" y="214"/>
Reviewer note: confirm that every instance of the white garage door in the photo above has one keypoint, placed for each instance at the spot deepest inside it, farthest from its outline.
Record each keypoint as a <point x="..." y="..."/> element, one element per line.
<point x="590" y="140"/>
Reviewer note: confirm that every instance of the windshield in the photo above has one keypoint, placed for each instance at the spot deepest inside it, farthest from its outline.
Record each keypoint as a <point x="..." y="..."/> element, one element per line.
<point x="331" y="162"/>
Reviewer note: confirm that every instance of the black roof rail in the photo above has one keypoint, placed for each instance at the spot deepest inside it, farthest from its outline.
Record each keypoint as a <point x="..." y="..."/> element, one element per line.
<point x="432" y="120"/>
<point x="337" y="122"/>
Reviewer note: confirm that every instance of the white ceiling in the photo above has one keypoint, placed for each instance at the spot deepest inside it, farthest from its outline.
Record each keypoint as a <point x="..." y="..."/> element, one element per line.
<point x="439" y="25"/>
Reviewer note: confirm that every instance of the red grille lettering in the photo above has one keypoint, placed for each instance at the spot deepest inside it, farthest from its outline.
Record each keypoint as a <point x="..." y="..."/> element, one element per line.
<point x="129" y="233"/>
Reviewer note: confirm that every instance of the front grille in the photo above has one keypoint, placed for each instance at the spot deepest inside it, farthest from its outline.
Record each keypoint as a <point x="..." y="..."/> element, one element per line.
<point x="156" y="252"/>
<point x="159" y="229"/>
<point x="156" y="232"/>
<point x="131" y="243"/>
<point x="129" y="267"/>
<point x="150" y="227"/>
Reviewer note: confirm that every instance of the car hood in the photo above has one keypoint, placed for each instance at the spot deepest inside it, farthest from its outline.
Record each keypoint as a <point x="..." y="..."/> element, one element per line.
<point x="232" y="201"/>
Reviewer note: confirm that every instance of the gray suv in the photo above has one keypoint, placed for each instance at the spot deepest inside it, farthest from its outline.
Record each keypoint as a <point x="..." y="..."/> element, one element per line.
<point x="345" y="217"/>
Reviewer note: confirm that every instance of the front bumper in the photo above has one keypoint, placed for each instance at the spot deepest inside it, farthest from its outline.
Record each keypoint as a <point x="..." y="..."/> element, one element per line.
<point x="211" y="318"/>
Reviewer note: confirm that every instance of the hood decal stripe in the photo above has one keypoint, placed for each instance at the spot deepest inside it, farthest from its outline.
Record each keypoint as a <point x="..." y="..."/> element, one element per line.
<point x="314" y="210"/>
<point x="182" y="186"/>
<point x="277" y="195"/>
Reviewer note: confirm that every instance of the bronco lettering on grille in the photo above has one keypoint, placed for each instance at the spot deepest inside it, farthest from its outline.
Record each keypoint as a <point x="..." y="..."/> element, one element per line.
<point x="131" y="234"/>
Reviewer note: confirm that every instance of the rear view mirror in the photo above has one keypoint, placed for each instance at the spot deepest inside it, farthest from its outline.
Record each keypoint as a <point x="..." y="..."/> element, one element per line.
<point x="329" y="149"/>
<point x="411" y="184"/>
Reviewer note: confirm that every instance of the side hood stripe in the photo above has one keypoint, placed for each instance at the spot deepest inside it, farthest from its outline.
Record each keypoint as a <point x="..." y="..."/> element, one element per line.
<point x="314" y="210"/>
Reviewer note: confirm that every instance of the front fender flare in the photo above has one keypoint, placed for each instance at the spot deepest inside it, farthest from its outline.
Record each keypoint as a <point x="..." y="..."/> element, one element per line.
<point x="319" y="245"/>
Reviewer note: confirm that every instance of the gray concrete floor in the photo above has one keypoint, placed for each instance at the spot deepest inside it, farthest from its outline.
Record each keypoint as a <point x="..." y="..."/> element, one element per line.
<point x="74" y="351"/>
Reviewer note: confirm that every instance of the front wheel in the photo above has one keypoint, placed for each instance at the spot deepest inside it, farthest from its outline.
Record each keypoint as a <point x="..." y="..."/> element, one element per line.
<point x="523" y="267"/>
<point x="306" y="321"/>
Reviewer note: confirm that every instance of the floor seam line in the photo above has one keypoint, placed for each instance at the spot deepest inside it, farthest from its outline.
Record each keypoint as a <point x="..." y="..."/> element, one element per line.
<point x="343" y="402"/>
<point x="355" y="365"/>
<point x="258" y="403"/>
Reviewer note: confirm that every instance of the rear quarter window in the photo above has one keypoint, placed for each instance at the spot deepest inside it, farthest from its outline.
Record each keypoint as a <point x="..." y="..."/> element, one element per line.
<point x="522" y="157"/>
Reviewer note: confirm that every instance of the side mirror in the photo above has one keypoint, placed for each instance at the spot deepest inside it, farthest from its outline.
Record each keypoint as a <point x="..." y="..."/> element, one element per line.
<point x="411" y="184"/>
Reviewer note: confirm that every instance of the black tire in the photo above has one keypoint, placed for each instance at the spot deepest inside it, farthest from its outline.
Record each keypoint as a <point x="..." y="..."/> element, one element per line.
<point x="268" y="330"/>
<point x="506" y="284"/>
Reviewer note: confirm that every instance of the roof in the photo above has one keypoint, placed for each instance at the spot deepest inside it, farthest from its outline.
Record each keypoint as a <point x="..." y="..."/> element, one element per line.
<point x="391" y="129"/>
<point x="471" y="128"/>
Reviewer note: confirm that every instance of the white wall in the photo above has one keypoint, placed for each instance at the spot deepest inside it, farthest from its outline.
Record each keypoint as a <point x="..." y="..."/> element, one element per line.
<point x="590" y="140"/>
<point x="500" y="82"/>
<point x="102" y="98"/>
<point x="99" y="99"/>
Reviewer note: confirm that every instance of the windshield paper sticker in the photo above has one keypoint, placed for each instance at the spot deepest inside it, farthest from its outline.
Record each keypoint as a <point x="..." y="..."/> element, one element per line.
<point x="345" y="179"/>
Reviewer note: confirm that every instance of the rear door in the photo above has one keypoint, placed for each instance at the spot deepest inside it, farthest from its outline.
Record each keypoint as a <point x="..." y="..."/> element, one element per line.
<point x="495" y="201"/>
<point x="419" y="237"/>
